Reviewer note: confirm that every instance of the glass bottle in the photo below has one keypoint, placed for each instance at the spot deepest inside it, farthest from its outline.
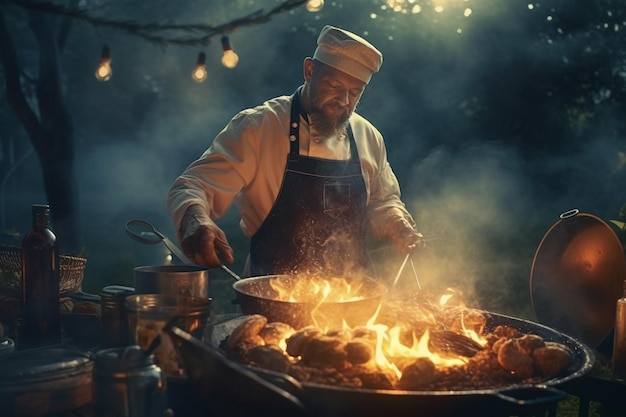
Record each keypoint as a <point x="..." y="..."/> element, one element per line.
<point x="619" y="341"/>
<point x="41" y="316"/>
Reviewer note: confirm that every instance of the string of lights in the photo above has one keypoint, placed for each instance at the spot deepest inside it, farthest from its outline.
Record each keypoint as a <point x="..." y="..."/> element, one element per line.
<point x="199" y="74"/>
<point x="165" y="34"/>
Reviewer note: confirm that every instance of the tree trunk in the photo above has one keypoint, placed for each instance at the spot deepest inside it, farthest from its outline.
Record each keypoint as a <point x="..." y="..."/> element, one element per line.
<point x="51" y="131"/>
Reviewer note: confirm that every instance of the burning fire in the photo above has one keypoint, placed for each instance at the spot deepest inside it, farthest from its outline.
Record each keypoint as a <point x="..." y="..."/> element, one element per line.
<point x="391" y="348"/>
<point x="316" y="290"/>
<point x="413" y="342"/>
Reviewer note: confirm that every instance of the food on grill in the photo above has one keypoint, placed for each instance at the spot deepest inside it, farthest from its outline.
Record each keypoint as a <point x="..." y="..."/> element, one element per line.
<point x="511" y="359"/>
<point x="359" y="351"/>
<point x="551" y="359"/>
<point x="418" y="375"/>
<point x="247" y="333"/>
<point x="274" y="333"/>
<point x="269" y="357"/>
<point x="413" y="346"/>
<point x="297" y="343"/>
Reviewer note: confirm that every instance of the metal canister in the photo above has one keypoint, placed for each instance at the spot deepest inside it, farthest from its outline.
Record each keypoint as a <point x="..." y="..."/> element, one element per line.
<point x="149" y="313"/>
<point x="127" y="383"/>
<point x="113" y="315"/>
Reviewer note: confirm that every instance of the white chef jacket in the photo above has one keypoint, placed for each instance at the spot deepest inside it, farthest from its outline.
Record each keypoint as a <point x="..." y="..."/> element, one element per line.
<point x="247" y="160"/>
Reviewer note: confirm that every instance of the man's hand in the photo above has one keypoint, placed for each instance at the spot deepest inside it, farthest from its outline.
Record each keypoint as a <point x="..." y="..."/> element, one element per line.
<point x="404" y="237"/>
<point x="202" y="240"/>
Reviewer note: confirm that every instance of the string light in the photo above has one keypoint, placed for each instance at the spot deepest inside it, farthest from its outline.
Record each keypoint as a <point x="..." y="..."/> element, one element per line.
<point x="199" y="73"/>
<point x="314" y="5"/>
<point x="229" y="58"/>
<point x="104" y="70"/>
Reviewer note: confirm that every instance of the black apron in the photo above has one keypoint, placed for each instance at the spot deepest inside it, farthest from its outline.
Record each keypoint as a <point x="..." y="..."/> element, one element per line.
<point x="318" y="223"/>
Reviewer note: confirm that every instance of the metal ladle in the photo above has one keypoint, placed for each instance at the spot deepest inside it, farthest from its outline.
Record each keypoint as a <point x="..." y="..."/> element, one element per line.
<point x="144" y="232"/>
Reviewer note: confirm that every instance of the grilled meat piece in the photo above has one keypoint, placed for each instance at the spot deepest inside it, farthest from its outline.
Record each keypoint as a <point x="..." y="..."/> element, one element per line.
<point x="274" y="333"/>
<point x="269" y="357"/>
<point x="359" y="351"/>
<point x="511" y="359"/>
<point x="247" y="333"/>
<point x="418" y="375"/>
<point x="552" y="359"/>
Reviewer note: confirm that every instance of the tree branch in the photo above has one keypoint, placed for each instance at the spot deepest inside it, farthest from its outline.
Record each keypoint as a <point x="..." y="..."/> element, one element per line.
<point x="160" y="33"/>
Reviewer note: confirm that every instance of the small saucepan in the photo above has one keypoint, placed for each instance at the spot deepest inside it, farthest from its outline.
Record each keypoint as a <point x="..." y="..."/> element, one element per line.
<point x="188" y="279"/>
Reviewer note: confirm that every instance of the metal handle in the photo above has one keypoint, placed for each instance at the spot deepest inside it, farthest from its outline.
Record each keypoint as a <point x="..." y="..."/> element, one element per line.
<point x="148" y="236"/>
<point x="417" y="280"/>
<point x="151" y="235"/>
<point x="569" y="213"/>
<point x="528" y="396"/>
<point x="230" y="272"/>
<point x="407" y="258"/>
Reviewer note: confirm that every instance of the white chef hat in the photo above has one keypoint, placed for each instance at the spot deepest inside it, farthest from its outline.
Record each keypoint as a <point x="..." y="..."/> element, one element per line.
<point x="347" y="52"/>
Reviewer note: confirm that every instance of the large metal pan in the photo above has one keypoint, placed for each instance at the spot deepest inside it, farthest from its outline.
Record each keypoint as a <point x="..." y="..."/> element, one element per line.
<point x="577" y="276"/>
<point x="256" y="295"/>
<point x="331" y="401"/>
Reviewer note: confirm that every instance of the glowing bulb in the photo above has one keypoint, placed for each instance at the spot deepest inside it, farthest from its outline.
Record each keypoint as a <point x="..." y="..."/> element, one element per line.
<point x="229" y="58"/>
<point x="104" y="70"/>
<point x="314" y="5"/>
<point x="199" y="73"/>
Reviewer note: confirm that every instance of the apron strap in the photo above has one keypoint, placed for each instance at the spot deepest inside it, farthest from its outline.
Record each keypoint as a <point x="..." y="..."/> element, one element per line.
<point x="294" y="130"/>
<point x="294" y="127"/>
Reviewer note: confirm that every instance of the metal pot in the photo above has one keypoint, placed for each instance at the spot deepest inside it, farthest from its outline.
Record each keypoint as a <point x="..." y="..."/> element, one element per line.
<point x="256" y="295"/>
<point x="173" y="280"/>
<point x="211" y="370"/>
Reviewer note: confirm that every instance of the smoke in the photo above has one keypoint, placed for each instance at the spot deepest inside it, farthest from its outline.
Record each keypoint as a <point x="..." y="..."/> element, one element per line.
<point x="484" y="173"/>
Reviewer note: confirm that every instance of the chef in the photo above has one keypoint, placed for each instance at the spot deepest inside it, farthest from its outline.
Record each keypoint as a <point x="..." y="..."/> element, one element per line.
<point x="310" y="177"/>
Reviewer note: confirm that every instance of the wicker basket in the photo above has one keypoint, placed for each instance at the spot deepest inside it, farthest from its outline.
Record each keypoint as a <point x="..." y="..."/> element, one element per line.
<point x="72" y="270"/>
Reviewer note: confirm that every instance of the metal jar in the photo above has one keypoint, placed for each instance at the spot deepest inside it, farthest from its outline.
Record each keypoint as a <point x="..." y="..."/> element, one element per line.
<point x="148" y="314"/>
<point x="172" y="280"/>
<point x="127" y="383"/>
<point x="113" y="315"/>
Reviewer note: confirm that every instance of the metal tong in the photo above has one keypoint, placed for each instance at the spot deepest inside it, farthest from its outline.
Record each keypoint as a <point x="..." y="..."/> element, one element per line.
<point x="407" y="258"/>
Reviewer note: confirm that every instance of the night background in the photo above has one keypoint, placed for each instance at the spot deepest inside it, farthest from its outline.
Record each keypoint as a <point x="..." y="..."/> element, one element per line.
<point x="498" y="116"/>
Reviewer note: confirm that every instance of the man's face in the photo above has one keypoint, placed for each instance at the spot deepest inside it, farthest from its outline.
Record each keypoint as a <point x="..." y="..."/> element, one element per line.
<point x="333" y="96"/>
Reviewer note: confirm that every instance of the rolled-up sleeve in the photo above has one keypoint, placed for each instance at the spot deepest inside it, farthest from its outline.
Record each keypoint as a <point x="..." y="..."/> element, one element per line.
<point x="229" y="170"/>
<point x="214" y="180"/>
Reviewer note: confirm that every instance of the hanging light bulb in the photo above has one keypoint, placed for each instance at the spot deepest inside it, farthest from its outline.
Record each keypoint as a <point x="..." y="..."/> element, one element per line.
<point x="314" y="5"/>
<point x="229" y="58"/>
<point x="103" y="70"/>
<point x="199" y="73"/>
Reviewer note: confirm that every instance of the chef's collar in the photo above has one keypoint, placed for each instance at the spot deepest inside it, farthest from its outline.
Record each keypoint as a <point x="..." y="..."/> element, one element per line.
<point x="302" y="110"/>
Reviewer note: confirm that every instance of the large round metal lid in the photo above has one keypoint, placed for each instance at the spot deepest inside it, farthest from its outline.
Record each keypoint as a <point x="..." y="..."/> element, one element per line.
<point x="43" y="364"/>
<point x="577" y="277"/>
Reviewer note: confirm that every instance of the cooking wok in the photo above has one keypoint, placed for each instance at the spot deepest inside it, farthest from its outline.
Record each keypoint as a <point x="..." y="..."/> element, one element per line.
<point x="257" y="295"/>
<point x="325" y="400"/>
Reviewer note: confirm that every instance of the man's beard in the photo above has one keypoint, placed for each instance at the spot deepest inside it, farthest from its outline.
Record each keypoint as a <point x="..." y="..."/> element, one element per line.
<point x="328" y="126"/>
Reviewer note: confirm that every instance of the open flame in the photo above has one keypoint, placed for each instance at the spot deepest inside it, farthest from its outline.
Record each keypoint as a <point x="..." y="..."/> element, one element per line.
<point x="391" y="351"/>
<point x="395" y="346"/>
<point x="410" y="343"/>
<point x="316" y="290"/>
